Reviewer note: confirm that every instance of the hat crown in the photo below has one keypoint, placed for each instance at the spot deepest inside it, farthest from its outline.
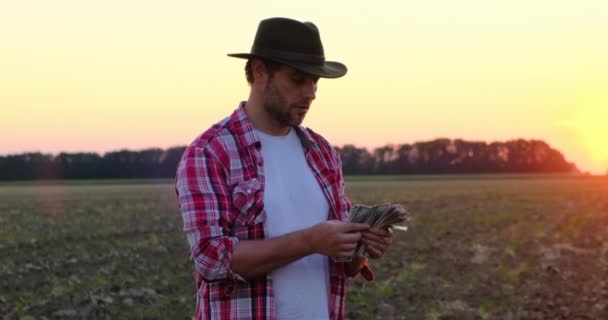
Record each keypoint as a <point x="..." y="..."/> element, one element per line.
<point x="289" y="36"/>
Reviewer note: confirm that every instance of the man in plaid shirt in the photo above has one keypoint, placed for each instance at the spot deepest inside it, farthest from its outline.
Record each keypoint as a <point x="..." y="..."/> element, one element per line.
<point x="262" y="198"/>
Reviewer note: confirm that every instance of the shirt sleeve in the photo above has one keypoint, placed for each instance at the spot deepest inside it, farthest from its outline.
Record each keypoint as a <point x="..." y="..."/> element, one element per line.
<point x="205" y="202"/>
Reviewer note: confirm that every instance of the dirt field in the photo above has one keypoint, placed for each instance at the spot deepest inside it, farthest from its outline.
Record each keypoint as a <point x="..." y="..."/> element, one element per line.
<point x="479" y="247"/>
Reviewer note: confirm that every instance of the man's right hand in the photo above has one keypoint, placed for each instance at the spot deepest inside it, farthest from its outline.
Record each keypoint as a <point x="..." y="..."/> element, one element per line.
<point x="255" y="258"/>
<point x="336" y="238"/>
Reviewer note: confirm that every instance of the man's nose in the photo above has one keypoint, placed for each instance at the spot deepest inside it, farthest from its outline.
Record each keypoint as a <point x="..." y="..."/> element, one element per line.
<point x="310" y="89"/>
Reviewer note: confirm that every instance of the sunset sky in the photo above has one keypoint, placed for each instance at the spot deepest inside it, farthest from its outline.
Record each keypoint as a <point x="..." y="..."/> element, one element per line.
<point x="107" y="75"/>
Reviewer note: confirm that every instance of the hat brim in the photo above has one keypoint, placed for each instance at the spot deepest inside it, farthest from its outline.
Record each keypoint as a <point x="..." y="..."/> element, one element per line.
<point x="330" y="69"/>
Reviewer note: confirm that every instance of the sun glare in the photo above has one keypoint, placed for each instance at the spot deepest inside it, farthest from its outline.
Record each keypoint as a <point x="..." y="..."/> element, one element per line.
<point x="592" y="128"/>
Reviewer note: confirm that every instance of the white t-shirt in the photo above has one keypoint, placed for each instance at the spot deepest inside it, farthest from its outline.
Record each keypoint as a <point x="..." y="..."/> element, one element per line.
<point x="293" y="200"/>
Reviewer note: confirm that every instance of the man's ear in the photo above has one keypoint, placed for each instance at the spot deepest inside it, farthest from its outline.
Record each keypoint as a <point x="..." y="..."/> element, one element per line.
<point x="260" y="74"/>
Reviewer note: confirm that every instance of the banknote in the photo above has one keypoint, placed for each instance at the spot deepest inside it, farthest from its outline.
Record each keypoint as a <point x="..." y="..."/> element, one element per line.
<point x="386" y="215"/>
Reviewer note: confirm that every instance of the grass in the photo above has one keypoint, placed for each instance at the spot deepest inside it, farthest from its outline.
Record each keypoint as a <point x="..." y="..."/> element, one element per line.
<point x="486" y="247"/>
<point x="85" y="182"/>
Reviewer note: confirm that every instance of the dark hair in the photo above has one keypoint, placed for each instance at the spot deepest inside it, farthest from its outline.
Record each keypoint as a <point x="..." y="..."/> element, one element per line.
<point x="271" y="67"/>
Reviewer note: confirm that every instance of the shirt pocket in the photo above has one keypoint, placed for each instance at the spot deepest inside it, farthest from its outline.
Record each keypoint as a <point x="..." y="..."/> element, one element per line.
<point x="247" y="199"/>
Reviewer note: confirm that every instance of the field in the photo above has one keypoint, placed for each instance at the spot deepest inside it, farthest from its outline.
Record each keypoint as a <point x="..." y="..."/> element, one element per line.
<point x="479" y="247"/>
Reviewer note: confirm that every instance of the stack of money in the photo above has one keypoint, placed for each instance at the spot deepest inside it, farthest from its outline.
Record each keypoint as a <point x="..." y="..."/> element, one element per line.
<point x="386" y="215"/>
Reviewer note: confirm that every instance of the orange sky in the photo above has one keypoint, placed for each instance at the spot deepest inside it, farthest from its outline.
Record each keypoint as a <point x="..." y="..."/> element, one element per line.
<point x="100" y="76"/>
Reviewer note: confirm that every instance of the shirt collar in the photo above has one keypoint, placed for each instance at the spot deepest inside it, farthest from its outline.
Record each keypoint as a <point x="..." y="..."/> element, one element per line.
<point x="242" y="127"/>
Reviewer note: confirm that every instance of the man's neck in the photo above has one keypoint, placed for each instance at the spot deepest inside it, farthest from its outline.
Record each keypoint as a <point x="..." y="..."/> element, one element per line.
<point x="261" y="120"/>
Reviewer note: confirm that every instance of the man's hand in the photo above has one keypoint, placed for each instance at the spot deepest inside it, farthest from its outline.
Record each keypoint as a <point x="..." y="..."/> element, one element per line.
<point x="335" y="238"/>
<point x="377" y="241"/>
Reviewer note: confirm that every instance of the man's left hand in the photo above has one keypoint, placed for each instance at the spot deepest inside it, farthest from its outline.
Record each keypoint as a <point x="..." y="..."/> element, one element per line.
<point x="377" y="241"/>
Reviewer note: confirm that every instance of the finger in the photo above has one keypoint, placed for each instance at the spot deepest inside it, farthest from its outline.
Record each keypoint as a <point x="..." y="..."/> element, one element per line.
<point x="373" y="252"/>
<point x="346" y="253"/>
<point x="352" y="237"/>
<point x="370" y="236"/>
<point x="346" y="248"/>
<point x="380" y="232"/>
<point x="354" y="227"/>
<point x="380" y="247"/>
<point x="375" y="238"/>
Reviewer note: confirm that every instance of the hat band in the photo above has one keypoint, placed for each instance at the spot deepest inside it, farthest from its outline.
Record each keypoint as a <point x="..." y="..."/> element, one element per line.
<point x="289" y="56"/>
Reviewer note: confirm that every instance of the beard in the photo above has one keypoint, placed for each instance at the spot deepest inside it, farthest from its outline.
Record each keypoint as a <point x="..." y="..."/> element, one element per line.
<point x="278" y="109"/>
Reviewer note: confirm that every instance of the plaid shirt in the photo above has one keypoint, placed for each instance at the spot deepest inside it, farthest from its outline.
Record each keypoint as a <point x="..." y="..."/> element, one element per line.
<point x="220" y="185"/>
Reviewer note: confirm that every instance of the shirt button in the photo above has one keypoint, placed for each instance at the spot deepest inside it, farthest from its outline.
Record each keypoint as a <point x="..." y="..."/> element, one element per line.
<point x="248" y="190"/>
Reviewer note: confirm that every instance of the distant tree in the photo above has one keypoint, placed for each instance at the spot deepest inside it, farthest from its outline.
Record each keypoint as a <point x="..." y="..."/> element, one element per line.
<point x="169" y="160"/>
<point x="383" y="159"/>
<point x="78" y="165"/>
<point x="355" y="160"/>
<point x="402" y="163"/>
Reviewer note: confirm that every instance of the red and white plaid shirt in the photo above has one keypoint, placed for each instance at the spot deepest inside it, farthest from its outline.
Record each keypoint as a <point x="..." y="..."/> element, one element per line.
<point x="220" y="185"/>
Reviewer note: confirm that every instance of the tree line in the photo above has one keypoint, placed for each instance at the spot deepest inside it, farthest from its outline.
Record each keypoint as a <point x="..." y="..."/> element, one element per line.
<point x="440" y="156"/>
<point x="446" y="156"/>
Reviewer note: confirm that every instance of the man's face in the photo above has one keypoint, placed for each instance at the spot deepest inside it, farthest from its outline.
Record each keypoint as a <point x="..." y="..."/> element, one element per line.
<point x="288" y="95"/>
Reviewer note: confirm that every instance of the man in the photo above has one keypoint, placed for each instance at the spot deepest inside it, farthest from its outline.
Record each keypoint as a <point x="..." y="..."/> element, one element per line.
<point x="262" y="198"/>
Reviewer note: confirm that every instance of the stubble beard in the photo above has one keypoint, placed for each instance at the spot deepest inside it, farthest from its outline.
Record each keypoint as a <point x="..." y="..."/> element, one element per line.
<point x="277" y="108"/>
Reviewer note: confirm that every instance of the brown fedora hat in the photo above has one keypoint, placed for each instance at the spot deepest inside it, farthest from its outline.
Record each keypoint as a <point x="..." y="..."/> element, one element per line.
<point x="294" y="43"/>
